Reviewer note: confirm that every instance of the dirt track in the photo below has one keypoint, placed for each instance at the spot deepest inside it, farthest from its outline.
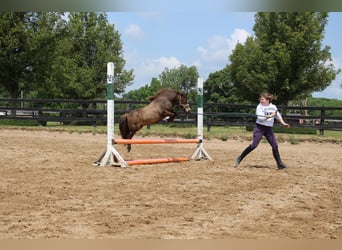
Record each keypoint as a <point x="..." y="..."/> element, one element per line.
<point x="50" y="189"/>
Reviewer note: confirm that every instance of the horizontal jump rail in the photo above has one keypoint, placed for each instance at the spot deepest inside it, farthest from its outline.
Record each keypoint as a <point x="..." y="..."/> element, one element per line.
<point x="157" y="160"/>
<point x="154" y="141"/>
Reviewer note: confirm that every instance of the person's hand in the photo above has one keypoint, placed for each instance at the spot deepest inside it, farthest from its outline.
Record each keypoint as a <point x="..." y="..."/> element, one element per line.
<point x="273" y="114"/>
<point x="286" y="125"/>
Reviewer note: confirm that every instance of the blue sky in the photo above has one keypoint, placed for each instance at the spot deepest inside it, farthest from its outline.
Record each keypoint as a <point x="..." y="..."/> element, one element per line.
<point x="155" y="40"/>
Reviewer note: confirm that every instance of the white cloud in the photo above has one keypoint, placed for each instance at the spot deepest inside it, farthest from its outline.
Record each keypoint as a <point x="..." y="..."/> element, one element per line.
<point x="216" y="49"/>
<point x="238" y="36"/>
<point x="215" y="54"/>
<point x="211" y="57"/>
<point x="154" y="67"/>
<point x="219" y="47"/>
<point x="149" y="68"/>
<point x="134" y="31"/>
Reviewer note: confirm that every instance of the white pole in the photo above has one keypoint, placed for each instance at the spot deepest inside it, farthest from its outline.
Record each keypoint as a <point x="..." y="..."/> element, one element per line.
<point x="200" y="109"/>
<point x="110" y="105"/>
<point x="200" y="152"/>
<point x="110" y="156"/>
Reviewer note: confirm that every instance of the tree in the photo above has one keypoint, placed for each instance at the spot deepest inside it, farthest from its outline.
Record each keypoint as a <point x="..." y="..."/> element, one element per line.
<point x="52" y="55"/>
<point x="80" y="61"/>
<point x="218" y="88"/>
<point x="27" y="41"/>
<point x="285" y="57"/>
<point x="15" y="56"/>
<point x="144" y="92"/>
<point x="181" y="78"/>
<point x="48" y="32"/>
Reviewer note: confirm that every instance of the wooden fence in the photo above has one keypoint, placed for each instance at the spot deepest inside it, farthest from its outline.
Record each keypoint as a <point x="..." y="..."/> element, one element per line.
<point x="94" y="112"/>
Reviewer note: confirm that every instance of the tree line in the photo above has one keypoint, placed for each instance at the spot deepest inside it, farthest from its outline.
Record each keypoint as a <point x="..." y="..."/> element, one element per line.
<point x="64" y="55"/>
<point x="59" y="55"/>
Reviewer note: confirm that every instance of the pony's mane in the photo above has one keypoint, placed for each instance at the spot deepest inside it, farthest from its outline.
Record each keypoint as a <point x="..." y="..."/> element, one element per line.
<point x="162" y="92"/>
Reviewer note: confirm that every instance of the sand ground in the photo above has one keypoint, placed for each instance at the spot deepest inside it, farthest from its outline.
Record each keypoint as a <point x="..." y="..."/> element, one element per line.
<point x="50" y="189"/>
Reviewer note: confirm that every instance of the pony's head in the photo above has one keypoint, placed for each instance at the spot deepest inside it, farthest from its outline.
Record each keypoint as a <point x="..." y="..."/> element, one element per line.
<point x="183" y="102"/>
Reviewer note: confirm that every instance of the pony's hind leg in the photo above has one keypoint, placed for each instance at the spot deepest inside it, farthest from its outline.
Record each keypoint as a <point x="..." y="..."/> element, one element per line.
<point x="130" y="136"/>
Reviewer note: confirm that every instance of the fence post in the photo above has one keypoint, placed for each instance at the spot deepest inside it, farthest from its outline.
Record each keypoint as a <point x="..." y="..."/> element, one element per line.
<point x="41" y="121"/>
<point x="209" y="119"/>
<point x="321" y="122"/>
<point x="96" y="114"/>
<point x="14" y="107"/>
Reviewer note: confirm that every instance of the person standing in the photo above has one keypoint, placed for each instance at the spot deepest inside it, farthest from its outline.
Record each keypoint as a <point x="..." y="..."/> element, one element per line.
<point x="265" y="112"/>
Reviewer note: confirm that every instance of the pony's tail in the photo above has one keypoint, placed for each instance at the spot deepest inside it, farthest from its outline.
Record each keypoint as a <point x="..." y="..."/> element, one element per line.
<point x="151" y="98"/>
<point x="123" y="126"/>
<point x="124" y="129"/>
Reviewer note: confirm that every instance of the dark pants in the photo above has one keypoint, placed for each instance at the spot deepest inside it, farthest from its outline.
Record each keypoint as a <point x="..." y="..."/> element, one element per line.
<point x="259" y="132"/>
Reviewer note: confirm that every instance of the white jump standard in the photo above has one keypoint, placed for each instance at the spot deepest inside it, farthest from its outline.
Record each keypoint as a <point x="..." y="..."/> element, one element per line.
<point x="110" y="156"/>
<point x="200" y="152"/>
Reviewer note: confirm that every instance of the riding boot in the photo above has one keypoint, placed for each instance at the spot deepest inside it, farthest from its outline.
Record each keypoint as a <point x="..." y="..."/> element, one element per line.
<point x="276" y="156"/>
<point x="243" y="155"/>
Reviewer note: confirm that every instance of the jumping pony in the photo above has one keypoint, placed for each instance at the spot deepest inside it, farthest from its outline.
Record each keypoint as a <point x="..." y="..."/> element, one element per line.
<point x="160" y="107"/>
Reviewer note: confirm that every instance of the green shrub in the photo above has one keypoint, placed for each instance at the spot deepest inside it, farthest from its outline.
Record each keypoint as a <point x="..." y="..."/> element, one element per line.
<point x="224" y="137"/>
<point x="294" y="140"/>
<point x="18" y="122"/>
<point x="190" y="136"/>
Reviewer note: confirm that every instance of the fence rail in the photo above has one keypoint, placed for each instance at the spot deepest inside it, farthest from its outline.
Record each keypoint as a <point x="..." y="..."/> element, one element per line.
<point x="94" y="112"/>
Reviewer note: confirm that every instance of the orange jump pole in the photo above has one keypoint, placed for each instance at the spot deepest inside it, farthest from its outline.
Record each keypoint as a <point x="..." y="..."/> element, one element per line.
<point x="154" y="141"/>
<point x="158" y="160"/>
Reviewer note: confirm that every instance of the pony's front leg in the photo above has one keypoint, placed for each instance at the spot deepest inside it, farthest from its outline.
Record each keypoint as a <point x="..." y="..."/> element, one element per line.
<point x="171" y="116"/>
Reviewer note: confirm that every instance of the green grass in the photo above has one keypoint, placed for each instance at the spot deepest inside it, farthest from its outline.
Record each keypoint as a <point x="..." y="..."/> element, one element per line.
<point x="11" y="122"/>
<point x="186" y="131"/>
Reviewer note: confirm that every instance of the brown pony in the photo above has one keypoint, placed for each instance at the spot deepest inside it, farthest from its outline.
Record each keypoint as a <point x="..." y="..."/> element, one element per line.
<point x="160" y="107"/>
